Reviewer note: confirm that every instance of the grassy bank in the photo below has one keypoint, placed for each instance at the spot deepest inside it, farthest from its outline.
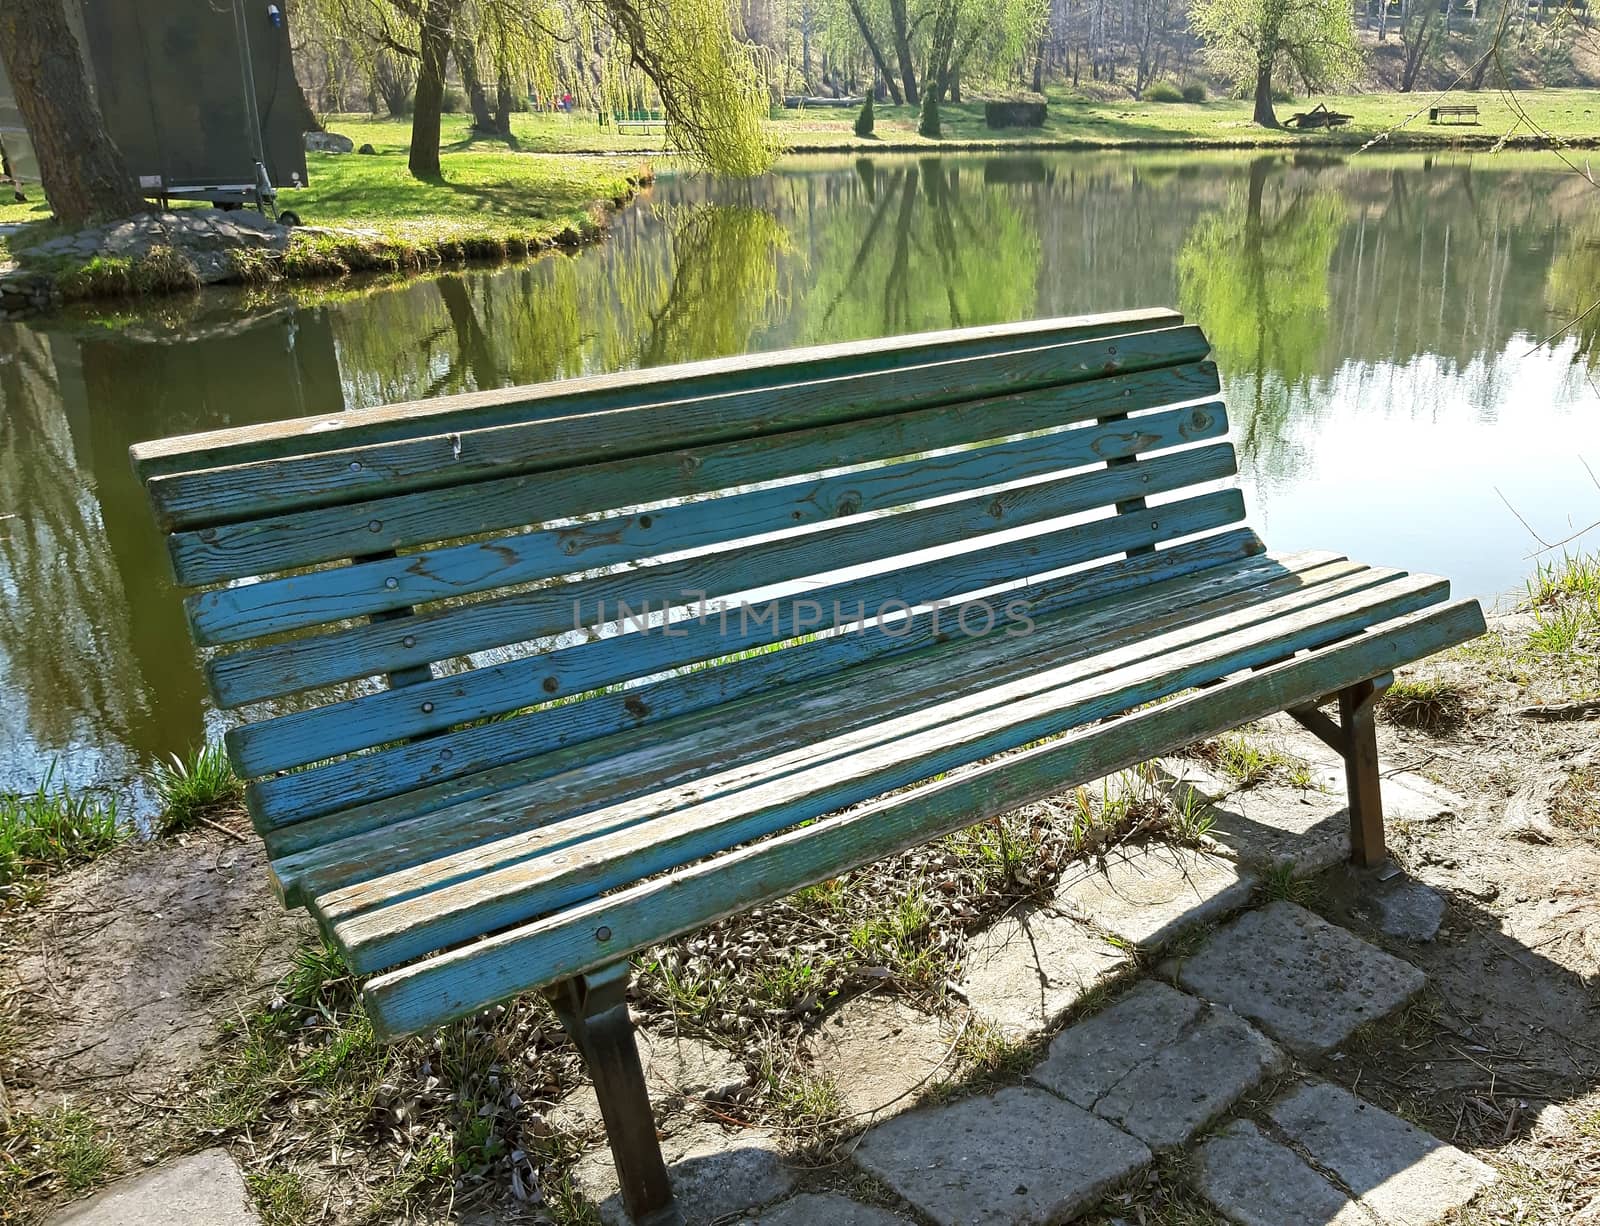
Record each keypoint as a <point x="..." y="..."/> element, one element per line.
<point x="1571" y="115"/>
<point x="367" y="213"/>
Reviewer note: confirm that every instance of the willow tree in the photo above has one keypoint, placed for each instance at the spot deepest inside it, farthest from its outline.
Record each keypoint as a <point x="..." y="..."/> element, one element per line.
<point x="1254" y="42"/>
<point x="711" y="83"/>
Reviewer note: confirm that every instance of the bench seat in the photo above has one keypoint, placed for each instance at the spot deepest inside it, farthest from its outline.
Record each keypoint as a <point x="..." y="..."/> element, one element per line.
<point x="532" y="680"/>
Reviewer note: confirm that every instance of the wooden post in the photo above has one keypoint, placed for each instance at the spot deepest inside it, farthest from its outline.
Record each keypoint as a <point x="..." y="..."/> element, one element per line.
<point x="594" y="1010"/>
<point x="1357" y="723"/>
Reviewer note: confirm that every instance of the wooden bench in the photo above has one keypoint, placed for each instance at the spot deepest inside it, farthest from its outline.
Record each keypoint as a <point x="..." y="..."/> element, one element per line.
<point x="1467" y="114"/>
<point x="476" y="799"/>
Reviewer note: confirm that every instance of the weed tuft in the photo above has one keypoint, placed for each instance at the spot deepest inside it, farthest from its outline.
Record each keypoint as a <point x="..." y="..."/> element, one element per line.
<point x="1424" y="702"/>
<point x="51" y="829"/>
<point x="198" y="786"/>
<point x="63" y="1149"/>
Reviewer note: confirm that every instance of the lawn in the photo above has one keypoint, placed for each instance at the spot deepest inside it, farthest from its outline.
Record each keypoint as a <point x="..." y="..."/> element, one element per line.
<point x="1569" y="114"/>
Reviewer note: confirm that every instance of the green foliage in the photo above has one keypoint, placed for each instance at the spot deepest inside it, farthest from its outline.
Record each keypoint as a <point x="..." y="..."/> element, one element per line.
<point x="62" y="1149"/>
<point x="199" y="785"/>
<point x="1424" y="702"/>
<point x="1312" y="40"/>
<point x="50" y="828"/>
<point x="1163" y="91"/>
<point x="1194" y="92"/>
<point x="928" y="124"/>
<point x="864" y="120"/>
<point x="1254" y="275"/>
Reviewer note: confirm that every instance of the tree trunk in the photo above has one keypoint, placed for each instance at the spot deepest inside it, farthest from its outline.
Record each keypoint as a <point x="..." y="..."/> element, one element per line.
<point x="902" y="50"/>
<point x="504" y="100"/>
<point x="477" y="97"/>
<point x="877" y="52"/>
<point x="435" y="43"/>
<point x="1264" y="114"/>
<point x="82" y="169"/>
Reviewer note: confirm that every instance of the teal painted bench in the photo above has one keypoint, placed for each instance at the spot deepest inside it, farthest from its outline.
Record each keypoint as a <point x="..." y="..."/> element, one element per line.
<point x="482" y="775"/>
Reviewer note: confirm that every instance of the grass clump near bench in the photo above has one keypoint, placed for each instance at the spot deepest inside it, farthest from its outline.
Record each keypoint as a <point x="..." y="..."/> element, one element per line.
<point x="541" y="677"/>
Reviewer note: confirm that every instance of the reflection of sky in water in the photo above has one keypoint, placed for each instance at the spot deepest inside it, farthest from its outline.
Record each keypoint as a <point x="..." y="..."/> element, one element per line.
<point x="1401" y="465"/>
<point x="1390" y="304"/>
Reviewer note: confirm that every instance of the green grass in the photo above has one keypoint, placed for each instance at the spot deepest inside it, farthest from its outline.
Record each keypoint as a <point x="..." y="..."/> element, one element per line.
<point x="1427" y="703"/>
<point x="53" y="828"/>
<point x="60" y="1150"/>
<point x="1248" y="763"/>
<point x="1072" y="120"/>
<point x="200" y="785"/>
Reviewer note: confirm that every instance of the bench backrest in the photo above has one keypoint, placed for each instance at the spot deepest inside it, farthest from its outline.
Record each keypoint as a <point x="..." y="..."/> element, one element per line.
<point x="413" y="602"/>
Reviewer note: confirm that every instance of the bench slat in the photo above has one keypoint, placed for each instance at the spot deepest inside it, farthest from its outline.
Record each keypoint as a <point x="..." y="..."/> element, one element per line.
<point x="236" y="614"/>
<point x="442" y="769"/>
<point x="385" y="647"/>
<point x="757" y="733"/>
<point x="461" y="981"/>
<point x="192" y="499"/>
<point x="401" y="521"/>
<point x="452" y="898"/>
<point x="622" y="389"/>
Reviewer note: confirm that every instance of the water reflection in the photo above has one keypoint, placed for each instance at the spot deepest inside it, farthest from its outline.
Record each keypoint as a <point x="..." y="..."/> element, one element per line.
<point x="1376" y="322"/>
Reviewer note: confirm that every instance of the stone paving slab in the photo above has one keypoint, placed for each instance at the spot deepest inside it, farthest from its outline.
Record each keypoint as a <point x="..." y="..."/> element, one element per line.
<point x="1405" y="1176"/>
<point x="826" y="1209"/>
<point x="1147" y="895"/>
<point x="1024" y="972"/>
<point x="675" y="1067"/>
<point x="1019" y="1156"/>
<point x="1257" y="1182"/>
<point x="881" y="1053"/>
<point x="1273" y="825"/>
<point x="1158" y="1063"/>
<point x="205" y="1187"/>
<point x="1304" y="981"/>
<point x="714" y="1175"/>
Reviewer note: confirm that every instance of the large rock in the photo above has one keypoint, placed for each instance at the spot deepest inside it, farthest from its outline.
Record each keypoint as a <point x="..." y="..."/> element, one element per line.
<point x="1006" y="1159"/>
<point x="205" y="1187"/>
<point x="328" y="142"/>
<point x="206" y="237"/>
<point x="1304" y="981"/>
<point x="1404" y="1176"/>
<point x="881" y="1053"/>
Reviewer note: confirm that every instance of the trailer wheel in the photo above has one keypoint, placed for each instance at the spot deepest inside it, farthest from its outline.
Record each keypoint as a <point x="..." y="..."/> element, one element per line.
<point x="288" y="218"/>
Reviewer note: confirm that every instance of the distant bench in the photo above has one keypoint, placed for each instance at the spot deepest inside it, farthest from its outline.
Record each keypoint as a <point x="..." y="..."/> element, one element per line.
<point x="482" y="780"/>
<point x="1463" y="114"/>
<point x="639" y="121"/>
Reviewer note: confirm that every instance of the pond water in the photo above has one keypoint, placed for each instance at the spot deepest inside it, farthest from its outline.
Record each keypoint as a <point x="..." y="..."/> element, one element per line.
<point x="1377" y="320"/>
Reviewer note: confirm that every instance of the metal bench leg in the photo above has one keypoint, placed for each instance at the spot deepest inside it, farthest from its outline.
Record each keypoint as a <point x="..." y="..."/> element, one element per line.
<point x="1355" y="737"/>
<point x="594" y="1010"/>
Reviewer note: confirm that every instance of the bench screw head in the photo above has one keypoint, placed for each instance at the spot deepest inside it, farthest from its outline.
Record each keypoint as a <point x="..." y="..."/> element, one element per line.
<point x="427" y="708"/>
<point x="602" y="934"/>
<point x="410" y="640"/>
<point x="391" y="583"/>
<point x="355" y="466"/>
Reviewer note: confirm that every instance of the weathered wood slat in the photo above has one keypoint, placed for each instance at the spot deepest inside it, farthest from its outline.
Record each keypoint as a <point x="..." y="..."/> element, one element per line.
<point x="284" y="668"/>
<point x="378" y="719"/>
<point x="758" y="738"/>
<point x="274" y="606"/>
<point x="326" y="478"/>
<point x="602" y="930"/>
<point x="589" y="667"/>
<point x="716" y="376"/>
<point x="400" y="521"/>
<point x="500" y="885"/>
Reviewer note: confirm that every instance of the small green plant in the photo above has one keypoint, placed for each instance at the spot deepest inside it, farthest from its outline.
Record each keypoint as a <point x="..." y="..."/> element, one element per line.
<point x="803" y="1101"/>
<point x="1424" y="702"/>
<point x="198" y="786"/>
<point x="1573" y="576"/>
<point x="50" y="828"/>
<point x="1279" y="884"/>
<point x="281" y="1196"/>
<point x="898" y="940"/>
<point x="1559" y="629"/>
<point x="1194" y="92"/>
<point x="1163" y="91"/>
<point x="864" y="121"/>
<point x="63" y="1148"/>
<point x="1190" y="818"/>
<point x="928" y="125"/>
